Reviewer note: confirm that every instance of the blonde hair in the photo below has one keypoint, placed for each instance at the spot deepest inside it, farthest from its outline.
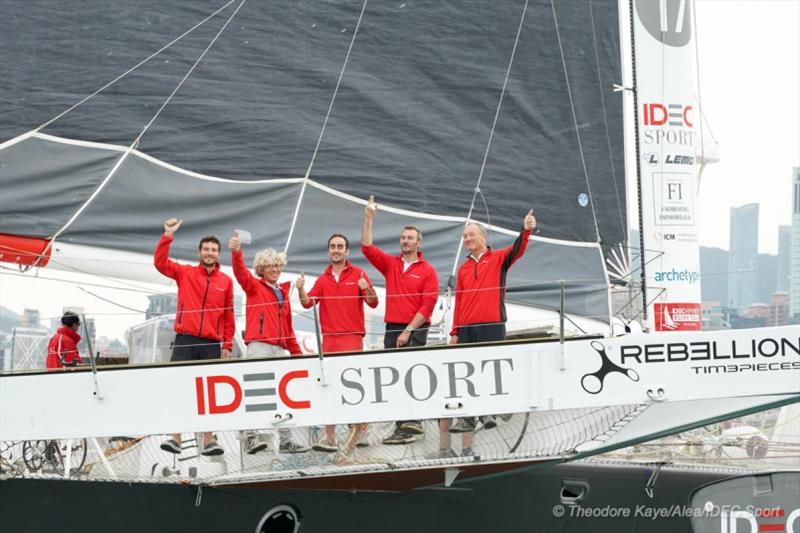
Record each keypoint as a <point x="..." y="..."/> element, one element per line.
<point x="268" y="256"/>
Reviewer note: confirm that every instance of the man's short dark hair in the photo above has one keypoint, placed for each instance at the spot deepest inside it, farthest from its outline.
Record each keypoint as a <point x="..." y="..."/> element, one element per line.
<point x="210" y="238"/>
<point x="346" y="242"/>
<point x="414" y="228"/>
<point x="70" y="319"/>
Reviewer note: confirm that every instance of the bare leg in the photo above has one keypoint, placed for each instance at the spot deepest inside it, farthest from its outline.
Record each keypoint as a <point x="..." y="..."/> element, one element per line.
<point x="330" y="434"/>
<point x="444" y="434"/>
<point x="177" y="438"/>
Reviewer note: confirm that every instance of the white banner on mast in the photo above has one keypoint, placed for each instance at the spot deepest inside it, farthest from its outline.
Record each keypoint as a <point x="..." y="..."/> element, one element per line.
<point x="667" y="117"/>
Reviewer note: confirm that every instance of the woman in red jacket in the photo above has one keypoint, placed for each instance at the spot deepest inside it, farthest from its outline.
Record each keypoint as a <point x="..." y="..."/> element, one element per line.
<point x="268" y="325"/>
<point x="63" y="347"/>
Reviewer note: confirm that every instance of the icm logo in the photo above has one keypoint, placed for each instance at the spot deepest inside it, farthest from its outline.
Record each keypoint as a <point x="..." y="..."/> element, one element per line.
<point x="692" y="276"/>
<point x="593" y="382"/>
<point x="258" y="393"/>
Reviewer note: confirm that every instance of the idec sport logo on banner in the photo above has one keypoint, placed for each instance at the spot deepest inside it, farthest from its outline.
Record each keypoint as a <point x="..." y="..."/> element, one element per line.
<point x="222" y="394"/>
<point x="677" y="316"/>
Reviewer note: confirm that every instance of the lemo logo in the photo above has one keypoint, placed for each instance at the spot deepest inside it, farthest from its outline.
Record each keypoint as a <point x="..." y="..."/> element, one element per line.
<point x="593" y="382"/>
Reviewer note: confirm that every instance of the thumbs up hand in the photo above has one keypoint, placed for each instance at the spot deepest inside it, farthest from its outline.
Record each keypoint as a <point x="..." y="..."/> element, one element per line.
<point x="171" y="226"/>
<point x="235" y="244"/>
<point x="529" y="223"/>
<point x="300" y="282"/>
<point x="371" y="208"/>
<point x="363" y="283"/>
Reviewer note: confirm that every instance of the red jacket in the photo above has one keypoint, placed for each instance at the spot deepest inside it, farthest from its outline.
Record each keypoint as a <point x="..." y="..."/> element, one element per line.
<point x="63" y="348"/>
<point x="341" y="308"/>
<point x="205" y="301"/>
<point x="407" y="293"/>
<point x="267" y="321"/>
<point x="481" y="285"/>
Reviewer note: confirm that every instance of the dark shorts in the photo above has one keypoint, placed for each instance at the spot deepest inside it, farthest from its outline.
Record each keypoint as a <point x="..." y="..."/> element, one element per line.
<point x="419" y="337"/>
<point x="481" y="333"/>
<point x="191" y="348"/>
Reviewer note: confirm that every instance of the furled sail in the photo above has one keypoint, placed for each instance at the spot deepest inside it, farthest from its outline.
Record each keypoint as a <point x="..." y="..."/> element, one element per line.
<point x="295" y="112"/>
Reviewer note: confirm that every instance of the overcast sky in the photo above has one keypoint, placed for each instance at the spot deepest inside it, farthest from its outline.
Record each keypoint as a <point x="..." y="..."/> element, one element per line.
<point x="750" y="89"/>
<point x="750" y="83"/>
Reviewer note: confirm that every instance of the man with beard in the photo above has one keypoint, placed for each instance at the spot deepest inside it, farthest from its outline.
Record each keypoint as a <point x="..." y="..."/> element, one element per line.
<point x="205" y="313"/>
<point x="341" y="292"/>
<point x="412" y="288"/>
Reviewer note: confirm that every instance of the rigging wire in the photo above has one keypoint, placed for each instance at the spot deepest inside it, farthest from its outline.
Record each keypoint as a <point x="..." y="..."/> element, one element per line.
<point x="112" y="302"/>
<point x="322" y="130"/>
<point x="135" y="67"/>
<point x="491" y="136"/>
<point x="605" y="122"/>
<point x="575" y="120"/>
<point x="138" y="138"/>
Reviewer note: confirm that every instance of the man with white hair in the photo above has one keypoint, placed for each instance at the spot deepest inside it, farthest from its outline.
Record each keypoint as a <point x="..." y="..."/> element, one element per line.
<point x="480" y="310"/>
<point x="268" y="320"/>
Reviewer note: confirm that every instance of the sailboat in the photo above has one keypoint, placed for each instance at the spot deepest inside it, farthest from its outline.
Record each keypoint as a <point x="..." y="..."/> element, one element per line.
<point x="281" y="119"/>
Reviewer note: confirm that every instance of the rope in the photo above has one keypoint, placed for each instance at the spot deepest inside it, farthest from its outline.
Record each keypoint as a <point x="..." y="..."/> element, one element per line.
<point x="575" y="119"/>
<point x="135" y="142"/>
<point x="136" y="66"/>
<point x="491" y="133"/>
<point x="322" y="131"/>
<point x="605" y="123"/>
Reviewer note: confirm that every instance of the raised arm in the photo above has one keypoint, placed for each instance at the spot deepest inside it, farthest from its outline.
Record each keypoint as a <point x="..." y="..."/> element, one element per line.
<point x="300" y="284"/>
<point x="516" y="250"/>
<point x="161" y="259"/>
<point x="369" y="216"/>
<point x="240" y="270"/>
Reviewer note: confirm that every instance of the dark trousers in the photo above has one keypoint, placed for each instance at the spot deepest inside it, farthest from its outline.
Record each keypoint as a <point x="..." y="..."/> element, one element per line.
<point x="419" y="337"/>
<point x="191" y="348"/>
<point x="481" y="333"/>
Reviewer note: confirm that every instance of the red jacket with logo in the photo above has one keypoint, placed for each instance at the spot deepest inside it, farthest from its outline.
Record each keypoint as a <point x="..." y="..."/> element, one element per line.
<point x="341" y="308"/>
<point x="205" y="301"/>
<point x="267" y="321"/>
<point x="407" y="293"/>
<point x="63" y="349"/>
<point x="481" y="285"/>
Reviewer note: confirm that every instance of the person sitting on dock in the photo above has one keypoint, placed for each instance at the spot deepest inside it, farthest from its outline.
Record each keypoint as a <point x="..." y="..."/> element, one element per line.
<point x="268" y="328"/>
<point x="62" y="350"/>
<point x="412" y="288"/>
<point x="480" y="311"/>
<point x="205" y="313"/>
<point x="341" y="292"/>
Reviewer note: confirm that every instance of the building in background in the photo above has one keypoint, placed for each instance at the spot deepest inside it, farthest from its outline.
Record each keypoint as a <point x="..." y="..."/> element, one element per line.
<point x="779" y="309"/>
<point x="30" y="318"/>
<point x="794" y="260"/>
<point x="743" y="257"/>
<point x="784" y="258"/>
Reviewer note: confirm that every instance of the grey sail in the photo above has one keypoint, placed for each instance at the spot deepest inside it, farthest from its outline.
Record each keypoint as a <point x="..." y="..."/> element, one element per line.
<point x="410" y="123"/>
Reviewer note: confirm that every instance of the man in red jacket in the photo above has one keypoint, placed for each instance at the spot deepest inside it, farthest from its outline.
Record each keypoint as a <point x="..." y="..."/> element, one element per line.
<point x="268" y="328"/>
<point x="62" y="350"/>
<point x="412" y="288"/>
<point x="204" y="319"/>
<point x="480" y="310"/>
<point x="341" y="292"/>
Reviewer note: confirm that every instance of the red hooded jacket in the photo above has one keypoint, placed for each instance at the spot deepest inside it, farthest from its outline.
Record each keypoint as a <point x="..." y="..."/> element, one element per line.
<point x="267" y="320"/>
<point x="481" y="285"/>
<point x="63" y="348"/>
<point x="205" y="301"/>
